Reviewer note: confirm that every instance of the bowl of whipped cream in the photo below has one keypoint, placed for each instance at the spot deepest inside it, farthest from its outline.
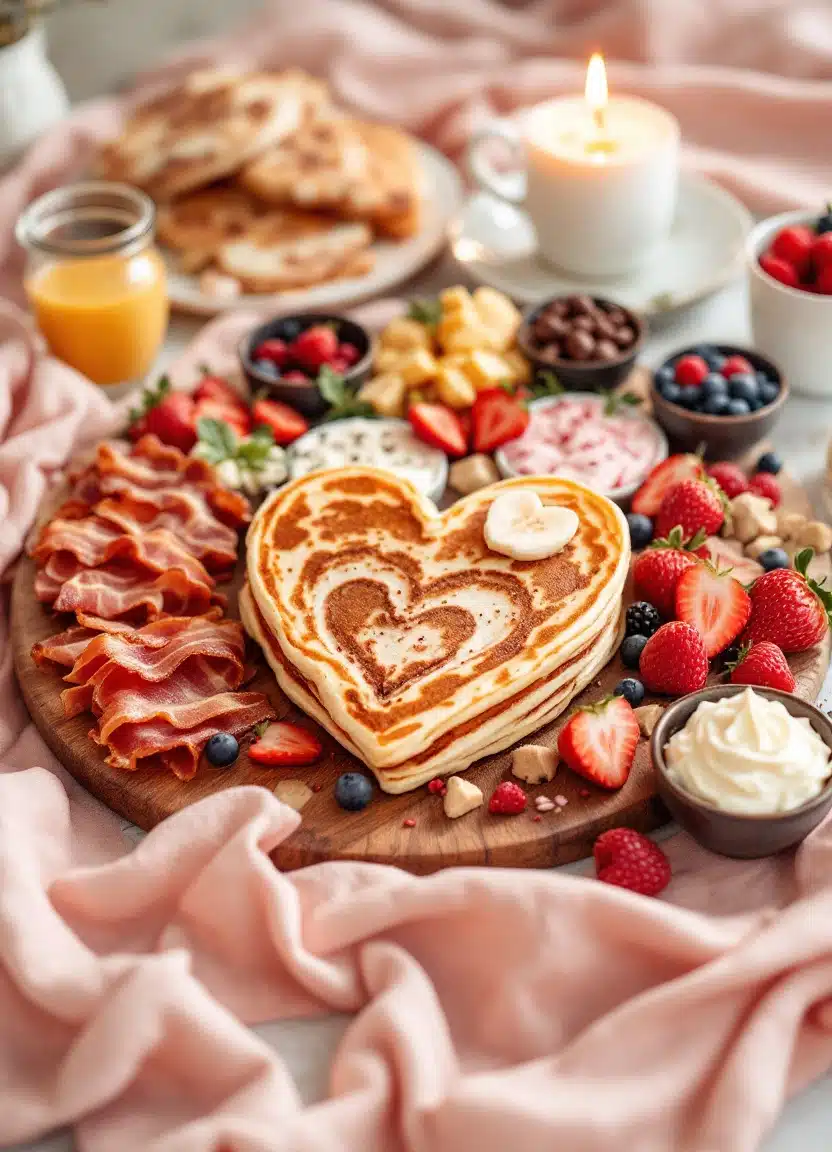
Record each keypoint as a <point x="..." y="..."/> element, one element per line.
<point x="747" y="771"/>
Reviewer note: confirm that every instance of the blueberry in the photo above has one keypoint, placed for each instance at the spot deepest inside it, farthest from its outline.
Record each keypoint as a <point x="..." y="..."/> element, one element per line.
<point x="769" y="462"/>
<point x="672" y="392"/>
<point x="222" y="749"/>
<point x="665" y="375"/>
<point x="641" y="529"/>
<point x="268" y="368"/>
<point x="712" y="356"/>
<point x="773" y="558"/>
<point x="631" y="690"/>
<point x="714" y="385"/>
<point x="738" y="407"/>
<point x="690" y="396"/>
<point x="744" y="386"/>
<point x="769" y="392"/>
<point x="631" y="649"/>
<point x="717" y="405"/>
<point x="353" y="791"/>
<point x="642" y="619"/>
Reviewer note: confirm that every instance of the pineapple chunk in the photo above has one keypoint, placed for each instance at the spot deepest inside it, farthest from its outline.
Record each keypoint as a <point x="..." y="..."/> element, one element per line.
<point x="385" y="393"/>
<point x="454" y="387"/>
<point x="499" y="318"/>
<point x="404" y="333"/>
<point x="461" y="335"/>
<point x="457" y="299"/>
<point x="519" y="367"/>
<point x="417" y="367"/>
<point x="487" y="370"/>
<point x="388" y="359"/>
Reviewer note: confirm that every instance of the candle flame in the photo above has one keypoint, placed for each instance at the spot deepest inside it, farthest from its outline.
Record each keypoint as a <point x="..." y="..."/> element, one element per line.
<point x="595" y="90"/>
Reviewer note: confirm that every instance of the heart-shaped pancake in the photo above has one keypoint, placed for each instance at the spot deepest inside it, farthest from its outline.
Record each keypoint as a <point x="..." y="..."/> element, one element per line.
<point x="404" y="625"/>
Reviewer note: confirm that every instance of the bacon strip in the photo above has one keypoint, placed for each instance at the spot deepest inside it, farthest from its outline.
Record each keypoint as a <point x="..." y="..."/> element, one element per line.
<point x="116" y="593"/>
<point x="93" y="542"/>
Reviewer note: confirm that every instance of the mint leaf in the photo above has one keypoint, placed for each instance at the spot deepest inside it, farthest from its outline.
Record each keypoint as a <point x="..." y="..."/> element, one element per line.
<point x="256" y="448"/>
<point x="546" y="383"/>
<point x="332" y="386"/>
<point x="425" y="311"/>
<point x="218" y="438"/>
<point x="615" y="400"/>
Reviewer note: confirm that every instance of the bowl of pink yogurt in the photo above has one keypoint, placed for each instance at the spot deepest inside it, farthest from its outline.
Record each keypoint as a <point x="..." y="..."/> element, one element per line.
<point x="573" y="436"/>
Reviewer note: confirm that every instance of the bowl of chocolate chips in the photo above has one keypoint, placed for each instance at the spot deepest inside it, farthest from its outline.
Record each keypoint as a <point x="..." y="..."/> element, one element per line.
<point x="588" y="342"/>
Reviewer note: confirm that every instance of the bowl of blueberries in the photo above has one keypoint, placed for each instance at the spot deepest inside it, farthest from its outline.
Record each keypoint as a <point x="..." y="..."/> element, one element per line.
<point x="718" y="395"/>
<point x="285" y="357"/>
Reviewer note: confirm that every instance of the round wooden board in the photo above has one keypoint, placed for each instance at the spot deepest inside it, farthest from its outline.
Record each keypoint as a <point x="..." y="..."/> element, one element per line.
<point x="378" y="833"/>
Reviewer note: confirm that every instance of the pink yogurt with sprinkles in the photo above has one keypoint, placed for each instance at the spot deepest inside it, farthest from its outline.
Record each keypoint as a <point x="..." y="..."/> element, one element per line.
<point x="570" y="436"/>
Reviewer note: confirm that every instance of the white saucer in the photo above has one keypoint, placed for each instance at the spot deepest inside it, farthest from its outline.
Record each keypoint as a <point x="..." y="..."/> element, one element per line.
<point x="394" y="262"/>
<point x="496" y="244"/>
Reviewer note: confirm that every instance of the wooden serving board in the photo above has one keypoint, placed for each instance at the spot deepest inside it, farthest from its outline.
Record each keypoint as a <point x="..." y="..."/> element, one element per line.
<point x="378" y="833"/>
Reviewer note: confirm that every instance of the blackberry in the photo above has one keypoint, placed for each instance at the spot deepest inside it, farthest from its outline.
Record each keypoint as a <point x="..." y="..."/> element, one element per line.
<point x="642" y="619"/>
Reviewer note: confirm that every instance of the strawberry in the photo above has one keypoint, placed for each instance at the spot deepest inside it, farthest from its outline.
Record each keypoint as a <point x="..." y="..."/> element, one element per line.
<point x="294" y="376"/>
<point x="735" y="366"/>
<point x="166" y="414"/>
<point x="789" y="608"/>
<point x="822" y="251"/>
<point x="674" y="661"/>
<point x="779" y="269"/>
<point x="599" y="742"/>
<point x="764" y="665"/>
<point x="764" y="484"/>
<point x="715" y="603"/>
<point x="285" y="422"/>
<point x="657" y="569"/>
<point x="664" y="477"/>
<point x="275" y="350"/>
<point x="794" y="245"/>
<point x="215" y="388"/>
<point x="507" y="799"/>
<point x="235" y="415"/>
<point x="693" y="505"/>
<point x="349" y="354"/>
<point x="497" y="417"/>
<point x="285" y="744"/>
<point x="439" y="426"/>
<point x="627" y="859"/>
<point x="315" y="347"/>
<point x="730" y="477"/>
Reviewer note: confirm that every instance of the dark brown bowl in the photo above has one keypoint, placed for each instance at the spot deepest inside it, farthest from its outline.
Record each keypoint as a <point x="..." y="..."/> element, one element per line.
<point x="722" y="436"/>
<point x="730" y="834"/>
<point x="305" y="397"/>
<point x="582" y="375"/>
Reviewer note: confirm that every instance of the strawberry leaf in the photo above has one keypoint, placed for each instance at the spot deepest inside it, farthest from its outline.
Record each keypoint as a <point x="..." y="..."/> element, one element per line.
<point x="149" y="398"/>
<point x="425" y="311"/>
<point x="260" y="729"/>
<point x="730" y="665"/>
<point x="615" y="401"/>
<point x="801" y="563"/>
<point x="546" y="383"/>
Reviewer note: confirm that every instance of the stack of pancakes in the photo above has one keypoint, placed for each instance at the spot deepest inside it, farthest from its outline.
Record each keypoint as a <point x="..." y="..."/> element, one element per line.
<point x="263" y="178"/>
<point x="402" y="634"/>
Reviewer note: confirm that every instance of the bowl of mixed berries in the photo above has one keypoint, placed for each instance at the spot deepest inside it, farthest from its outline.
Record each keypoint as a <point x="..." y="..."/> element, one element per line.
<point x="789" y="260"/>
<point x="721" y="396"/>
<point x="294" y="358"/>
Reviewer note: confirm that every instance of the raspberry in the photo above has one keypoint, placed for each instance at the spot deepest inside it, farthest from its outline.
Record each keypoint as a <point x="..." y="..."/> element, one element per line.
<point x="437" y="787"/>
<point x="764" y="484"/>
<point x="627" y="859"/>
<point x="507" y="799"/>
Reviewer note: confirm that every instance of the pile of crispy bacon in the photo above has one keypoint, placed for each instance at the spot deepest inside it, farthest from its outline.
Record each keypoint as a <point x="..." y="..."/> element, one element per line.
<point x="135" y="553"/>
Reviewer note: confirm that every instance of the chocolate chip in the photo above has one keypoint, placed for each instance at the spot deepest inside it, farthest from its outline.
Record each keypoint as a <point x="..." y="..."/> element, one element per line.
<point x="580" y="345"/>
<point x="625" y="336"/>
<point x="606" y="350"/>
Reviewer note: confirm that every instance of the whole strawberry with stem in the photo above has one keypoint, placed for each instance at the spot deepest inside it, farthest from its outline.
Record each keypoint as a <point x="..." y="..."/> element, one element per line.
<point x="693" y="505"/>
<point x="658" y="569"/>
<point x="674" y="661"/>
<point x="789" y="608"/>
<point x="764" y="665"/>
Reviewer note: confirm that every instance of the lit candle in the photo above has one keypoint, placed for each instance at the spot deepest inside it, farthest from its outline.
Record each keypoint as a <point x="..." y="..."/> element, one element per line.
<point x="601" y="176"/>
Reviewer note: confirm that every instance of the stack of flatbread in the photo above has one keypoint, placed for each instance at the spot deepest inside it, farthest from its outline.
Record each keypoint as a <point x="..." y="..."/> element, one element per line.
<point x="416" y="646"/>
<point x="261" y="178"/>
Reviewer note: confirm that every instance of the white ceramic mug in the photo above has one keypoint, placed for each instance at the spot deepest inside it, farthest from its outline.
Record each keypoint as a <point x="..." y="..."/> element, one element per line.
<point x="597" y="211"/>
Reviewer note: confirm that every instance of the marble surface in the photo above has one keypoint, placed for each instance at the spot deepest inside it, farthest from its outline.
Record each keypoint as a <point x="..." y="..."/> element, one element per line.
<point x="307" y="1046"/>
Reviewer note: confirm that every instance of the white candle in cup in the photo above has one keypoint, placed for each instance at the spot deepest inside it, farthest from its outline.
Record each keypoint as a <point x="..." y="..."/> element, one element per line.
<point x="601" y="176"/>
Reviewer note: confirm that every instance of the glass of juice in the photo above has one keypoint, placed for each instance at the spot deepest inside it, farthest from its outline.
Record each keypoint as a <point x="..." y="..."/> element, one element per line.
<point x="95" y="280"/>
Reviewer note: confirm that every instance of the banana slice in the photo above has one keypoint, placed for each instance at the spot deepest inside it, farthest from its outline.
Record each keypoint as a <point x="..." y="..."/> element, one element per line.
<point x="519" y="525"/>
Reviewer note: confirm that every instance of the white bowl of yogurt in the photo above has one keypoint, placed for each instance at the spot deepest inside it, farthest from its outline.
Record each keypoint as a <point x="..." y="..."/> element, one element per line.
<point x="747" y="771"/>
<point x="382" y="443"/>
<point x="572" y="436"/>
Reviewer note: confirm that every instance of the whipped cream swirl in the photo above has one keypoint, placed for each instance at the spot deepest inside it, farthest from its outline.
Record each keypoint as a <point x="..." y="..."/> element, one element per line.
<point x="747" y="754"/>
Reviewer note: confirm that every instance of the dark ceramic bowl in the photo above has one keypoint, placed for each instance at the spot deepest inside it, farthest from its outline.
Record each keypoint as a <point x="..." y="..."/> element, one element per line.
<point x="722" y="436"/>
<point x="730" y="834"/>
<point x="305" y="397"/>
<point x="582" y="375"/>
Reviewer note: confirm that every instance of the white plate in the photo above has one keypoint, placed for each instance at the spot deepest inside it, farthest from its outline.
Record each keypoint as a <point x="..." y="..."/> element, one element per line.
<point x="496" y="244"/>
<point x="394" y="263"/>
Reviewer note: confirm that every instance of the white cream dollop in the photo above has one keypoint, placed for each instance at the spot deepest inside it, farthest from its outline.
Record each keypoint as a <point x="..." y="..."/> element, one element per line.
<point x="747" y="754"/>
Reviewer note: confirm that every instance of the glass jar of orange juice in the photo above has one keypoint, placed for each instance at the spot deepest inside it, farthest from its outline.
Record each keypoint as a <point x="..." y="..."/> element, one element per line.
<point x="95" y="280"/>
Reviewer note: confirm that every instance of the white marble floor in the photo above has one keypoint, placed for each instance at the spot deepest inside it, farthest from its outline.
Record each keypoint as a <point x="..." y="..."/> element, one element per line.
<point x="307" y="1046"/>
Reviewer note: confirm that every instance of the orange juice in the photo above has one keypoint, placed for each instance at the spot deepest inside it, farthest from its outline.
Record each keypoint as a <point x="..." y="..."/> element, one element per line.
<point x="104" y="315"/>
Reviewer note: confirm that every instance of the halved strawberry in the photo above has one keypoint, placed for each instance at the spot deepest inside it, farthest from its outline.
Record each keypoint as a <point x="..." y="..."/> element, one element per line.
<point x="599" y="742"/>
<point x="715" y="603"/>
<point x="285" y="744"/>
<point x="663" y="477"/>
<point x="235" y="415"/>
<point x="215" y="388"/>
<point x="496" y="418"/>
<point x="438" y="426"/>
<point x="285" y="422"/>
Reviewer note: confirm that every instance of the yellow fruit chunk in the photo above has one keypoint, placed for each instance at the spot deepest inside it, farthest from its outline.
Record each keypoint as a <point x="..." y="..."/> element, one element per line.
<point x="455" y="299"/>
<point x="404" y="333"/>
<point x="388" y="359"/>
<point x="454" y="387"/>
<point x="487" y="370"/>
<point x="385" y="393"/>
<point x="499" y="318"/>
<point x="518" y="365"/>
<point x="417" y="367"/>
